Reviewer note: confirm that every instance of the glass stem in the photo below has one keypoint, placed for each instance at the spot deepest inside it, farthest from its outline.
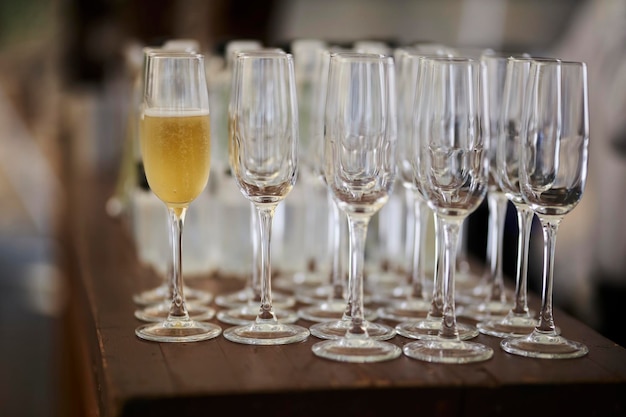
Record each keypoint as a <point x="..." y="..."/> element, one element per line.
<point x="419" y="235"/>
<point x="462" y="263"/>
<point x="334" y="233"/>
<point x="178" y="309"/>
<point x="497" y="212"/>
<point x="255" y="277"/>
<point x="436" y="304"/>
<point x="358" y="234"/>
<point x="409" y="242"/>
<point x="524" y="220"/>
<point x="546" y="319"/>
<point x="265" y="216"/>
<point x="450" y="234"/>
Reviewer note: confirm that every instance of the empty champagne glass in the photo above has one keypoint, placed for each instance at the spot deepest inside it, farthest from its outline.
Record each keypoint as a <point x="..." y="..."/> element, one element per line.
<point x="412" y="301"/>
<point x="491" y="292"/>
<point x="426" y="328"/>
<point x="328" y="300"/>
<point x="176" y="149"/>
<point x="553" y="172"/>
<point x="359" y="167"/>
<point x="263" y="154"/>
<point x="519" y="320"/>
<point x="451" y="165"/>
<point x="241" y="306"/>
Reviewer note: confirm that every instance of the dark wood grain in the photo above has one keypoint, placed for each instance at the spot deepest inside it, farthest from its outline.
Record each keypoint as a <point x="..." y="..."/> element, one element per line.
<point x="140" y="378"/>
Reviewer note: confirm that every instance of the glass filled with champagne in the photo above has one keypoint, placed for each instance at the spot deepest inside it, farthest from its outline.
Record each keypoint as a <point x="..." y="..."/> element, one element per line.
<point x="176" y="150"/>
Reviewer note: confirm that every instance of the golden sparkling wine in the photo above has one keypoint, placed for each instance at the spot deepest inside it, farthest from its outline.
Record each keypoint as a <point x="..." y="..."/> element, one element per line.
<point x="176" y="149"/>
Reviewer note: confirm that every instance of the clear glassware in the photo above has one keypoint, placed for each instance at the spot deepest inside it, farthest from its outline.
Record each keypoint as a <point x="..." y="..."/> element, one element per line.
<point x="162" y="294"/>
<point x="427" y="328"/>
<point x="359" y="167"/>
<point x="176" y="149"/>
<point x="159" y="311"/>
<point x="328" y="299"/>
<point x="263" y="155"/>
<point x="519" y="320"/>
<point x="243" y="305"/>
<point x="553" y="173"/>
<point x="413" y="302"/>
<point x="491" y="291"/>
<point x="451" y="164"/>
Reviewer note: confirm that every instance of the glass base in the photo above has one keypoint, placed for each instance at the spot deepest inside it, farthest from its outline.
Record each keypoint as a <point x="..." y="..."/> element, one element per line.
<point x="266" y="332"/>
<point x="479" y="293"/>
<point x="428" y="329"/>
<point x="382" y="283"/>
<point x="162" y="292"/>
<point x="331" y="311"/>
<point x="316" y="295"/>
<point x="509" y="326"/>
<point x="447" y="351"/>
<point x="248" y="314"/>
<point x="242" y="298"/>
<point x="160" y="312"/>
<point x="544" y="345"/>
<point x="485" y="310"/>
<point x="337" y="329"/>
<point x="412" y="309"/>
<point x="178" y="331"/>
<point x="292" y="282"/>
<point x="356" y="350"/>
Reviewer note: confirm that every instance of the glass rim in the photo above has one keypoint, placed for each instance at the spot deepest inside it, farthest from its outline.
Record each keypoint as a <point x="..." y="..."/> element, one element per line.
<point x="504" y="55"/>
<point x="262" y="53"/>
<point x="173" y="54"/>
<point x="364" y="57"/>
<point x="561" y="62"/>
<point x="450" y="60"/>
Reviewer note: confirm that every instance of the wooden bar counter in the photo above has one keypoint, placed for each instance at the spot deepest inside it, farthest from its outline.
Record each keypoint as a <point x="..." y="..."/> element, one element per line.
<point x="126" y="377"/>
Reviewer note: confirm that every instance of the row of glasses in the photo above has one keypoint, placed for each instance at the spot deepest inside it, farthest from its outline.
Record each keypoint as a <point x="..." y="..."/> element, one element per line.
<point x="448" y="156"/>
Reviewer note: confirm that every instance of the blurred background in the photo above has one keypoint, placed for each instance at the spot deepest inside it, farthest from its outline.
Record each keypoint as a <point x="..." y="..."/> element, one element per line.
<point x="65" y="89"/>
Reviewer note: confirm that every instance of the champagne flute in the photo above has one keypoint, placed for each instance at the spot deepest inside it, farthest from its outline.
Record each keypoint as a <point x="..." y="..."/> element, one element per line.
<point x="176" y="149"/>
<point x="241" y="305"/>
<point x="359" y="167"/>
<point x="553" y="172"/>
<point x="263" y="154"/>
<point x="451" y="165"/>
<point x="413" y="302"/>
<point x="429" y="327"/>
<point x="494" y="299"/>
<point x="155" y="302"/>
<point x="519" y="320"/>
<point x="328" y="301"/>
